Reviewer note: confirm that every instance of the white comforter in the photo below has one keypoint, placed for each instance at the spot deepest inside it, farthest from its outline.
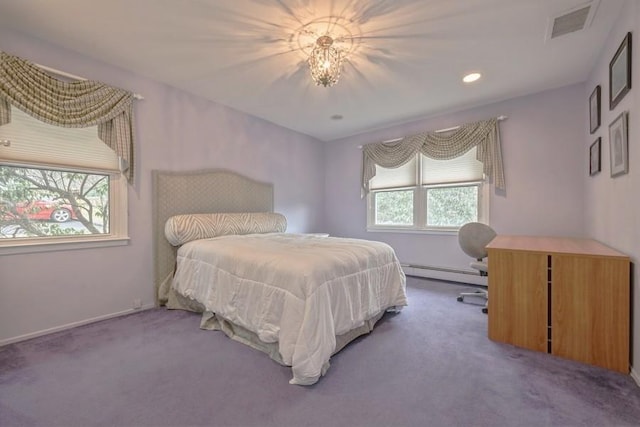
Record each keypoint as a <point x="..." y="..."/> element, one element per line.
<point x="297" y="290"/>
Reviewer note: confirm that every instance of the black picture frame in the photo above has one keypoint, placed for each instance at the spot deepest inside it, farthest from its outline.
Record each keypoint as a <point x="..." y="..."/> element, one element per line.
<point x="594" y="157"/>
<point x="619" y="145"/>
<point x="594" y="110"/>
<point x="620" y="72"/>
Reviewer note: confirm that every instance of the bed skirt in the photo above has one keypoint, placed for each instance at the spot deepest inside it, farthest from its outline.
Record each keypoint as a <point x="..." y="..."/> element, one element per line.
<point x="210" y="321"/>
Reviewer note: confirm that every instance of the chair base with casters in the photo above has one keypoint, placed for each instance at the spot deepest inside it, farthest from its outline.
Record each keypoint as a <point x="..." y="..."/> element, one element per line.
<point x="480" y="293"/>
<point x="473" y="238"/>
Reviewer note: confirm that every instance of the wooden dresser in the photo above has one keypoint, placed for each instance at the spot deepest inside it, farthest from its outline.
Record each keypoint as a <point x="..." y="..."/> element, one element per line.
<point x="564" y="296"/>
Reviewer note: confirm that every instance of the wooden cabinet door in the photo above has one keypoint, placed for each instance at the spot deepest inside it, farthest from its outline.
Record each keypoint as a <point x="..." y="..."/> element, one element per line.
<point x="518" y="298"/>
<point x="590" y="310"/>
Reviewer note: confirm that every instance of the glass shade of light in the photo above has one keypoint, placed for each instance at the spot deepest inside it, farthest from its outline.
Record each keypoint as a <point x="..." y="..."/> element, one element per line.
<point x="325" y="62"/>
<point x="469" y="78"/>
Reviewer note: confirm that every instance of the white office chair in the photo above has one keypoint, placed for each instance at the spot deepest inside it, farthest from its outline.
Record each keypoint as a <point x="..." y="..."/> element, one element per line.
<point x="472" y="238"/>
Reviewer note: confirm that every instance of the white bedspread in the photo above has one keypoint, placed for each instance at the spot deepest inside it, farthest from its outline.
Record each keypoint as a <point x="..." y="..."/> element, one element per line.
<point x="298" y="290"/>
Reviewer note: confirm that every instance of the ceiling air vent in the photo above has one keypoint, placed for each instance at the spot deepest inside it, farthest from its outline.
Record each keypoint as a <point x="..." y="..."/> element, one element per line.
<point x="572" y="20"/>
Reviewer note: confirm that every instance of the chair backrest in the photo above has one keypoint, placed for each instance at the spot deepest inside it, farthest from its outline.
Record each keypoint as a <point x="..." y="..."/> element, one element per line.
<point x="473" y="237"/>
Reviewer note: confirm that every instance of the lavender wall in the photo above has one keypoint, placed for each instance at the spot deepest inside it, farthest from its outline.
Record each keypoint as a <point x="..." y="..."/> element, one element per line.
<point x="545" y="147"/>
<point x="174" y="131"/>
<point x="542" y="143"/>
<point x="612" y="207"/>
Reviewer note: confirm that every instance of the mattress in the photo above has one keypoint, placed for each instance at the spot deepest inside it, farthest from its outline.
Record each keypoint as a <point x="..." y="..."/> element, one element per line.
<point x="296" y="291"/>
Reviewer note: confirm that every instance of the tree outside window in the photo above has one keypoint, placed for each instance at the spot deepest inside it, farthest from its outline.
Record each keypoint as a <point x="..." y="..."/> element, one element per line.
<point x="44" y="203"/>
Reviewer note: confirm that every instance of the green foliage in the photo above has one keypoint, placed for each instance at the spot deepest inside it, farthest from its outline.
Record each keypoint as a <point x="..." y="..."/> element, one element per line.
<point x="452" y="206"/>
<point x="394" y="207"/>
<point x="447" y="207"/>
<point x="87" y="195"/>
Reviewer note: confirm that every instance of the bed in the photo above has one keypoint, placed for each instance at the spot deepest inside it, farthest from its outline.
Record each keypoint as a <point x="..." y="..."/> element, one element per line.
<point x="300" y="298"/>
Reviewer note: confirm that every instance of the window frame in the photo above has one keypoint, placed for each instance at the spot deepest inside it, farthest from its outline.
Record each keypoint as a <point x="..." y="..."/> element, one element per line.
<point x="371" y="210"/>
<point x="420" y="206"/>
<point x="118" y="218"/>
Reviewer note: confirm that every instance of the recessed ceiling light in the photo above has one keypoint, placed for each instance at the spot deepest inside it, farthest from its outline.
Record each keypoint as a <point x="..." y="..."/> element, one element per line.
<point x="471" y="77"/>
<point x="337" y="117"/>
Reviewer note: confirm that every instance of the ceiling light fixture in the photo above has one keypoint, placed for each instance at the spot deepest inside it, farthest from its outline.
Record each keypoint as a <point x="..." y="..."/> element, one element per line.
<point x="470" y="78"/>
<point x="325" y="62"/>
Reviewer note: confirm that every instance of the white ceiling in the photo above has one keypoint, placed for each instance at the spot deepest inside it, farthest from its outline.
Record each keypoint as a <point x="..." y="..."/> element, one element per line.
<point x="407" y="60"/>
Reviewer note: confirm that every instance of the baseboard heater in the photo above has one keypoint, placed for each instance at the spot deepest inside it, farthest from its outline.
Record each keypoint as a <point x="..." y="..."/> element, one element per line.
<point x="445" y="269"/>
<point x="460" y="275"/>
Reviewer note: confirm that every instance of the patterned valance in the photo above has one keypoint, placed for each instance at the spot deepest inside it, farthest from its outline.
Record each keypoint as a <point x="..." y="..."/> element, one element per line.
<point x="73" y="105"/>
<point x="440" y="146"/>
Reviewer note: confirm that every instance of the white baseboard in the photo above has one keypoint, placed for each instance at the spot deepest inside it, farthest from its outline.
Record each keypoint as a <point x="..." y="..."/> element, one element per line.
<point x="72" y="325"/>
<point x="636" y="376"/>
<point x="452" y="276"/>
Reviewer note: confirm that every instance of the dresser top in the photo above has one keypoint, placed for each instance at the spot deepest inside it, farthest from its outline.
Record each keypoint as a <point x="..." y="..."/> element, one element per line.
<point x="554" y="245"/>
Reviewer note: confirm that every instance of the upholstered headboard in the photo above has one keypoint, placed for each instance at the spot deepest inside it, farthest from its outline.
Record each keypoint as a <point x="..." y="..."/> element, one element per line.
<point x="203" y="191"/>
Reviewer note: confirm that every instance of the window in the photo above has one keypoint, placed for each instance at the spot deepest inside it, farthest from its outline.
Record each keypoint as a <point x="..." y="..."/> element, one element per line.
<point x="58" y="186"/>
<point x="427" y="194"/>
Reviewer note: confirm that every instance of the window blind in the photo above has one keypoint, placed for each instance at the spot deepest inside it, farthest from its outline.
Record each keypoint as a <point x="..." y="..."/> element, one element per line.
<point x="404" y="176"/>
<point x="34" y="142"/>
<point x="464" y="168"/>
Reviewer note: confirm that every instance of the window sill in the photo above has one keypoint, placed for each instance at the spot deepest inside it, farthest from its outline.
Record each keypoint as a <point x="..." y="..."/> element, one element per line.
<point x="443" y="232"/>
<point x="53" y="245"/>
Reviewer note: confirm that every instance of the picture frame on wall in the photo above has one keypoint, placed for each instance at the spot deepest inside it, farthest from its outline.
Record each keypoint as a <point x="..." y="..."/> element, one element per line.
<point x="620" y="72"/>
<point x="594" y="110"/>
<point x="594" y="157"/>
<point x="619" y="145"/>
